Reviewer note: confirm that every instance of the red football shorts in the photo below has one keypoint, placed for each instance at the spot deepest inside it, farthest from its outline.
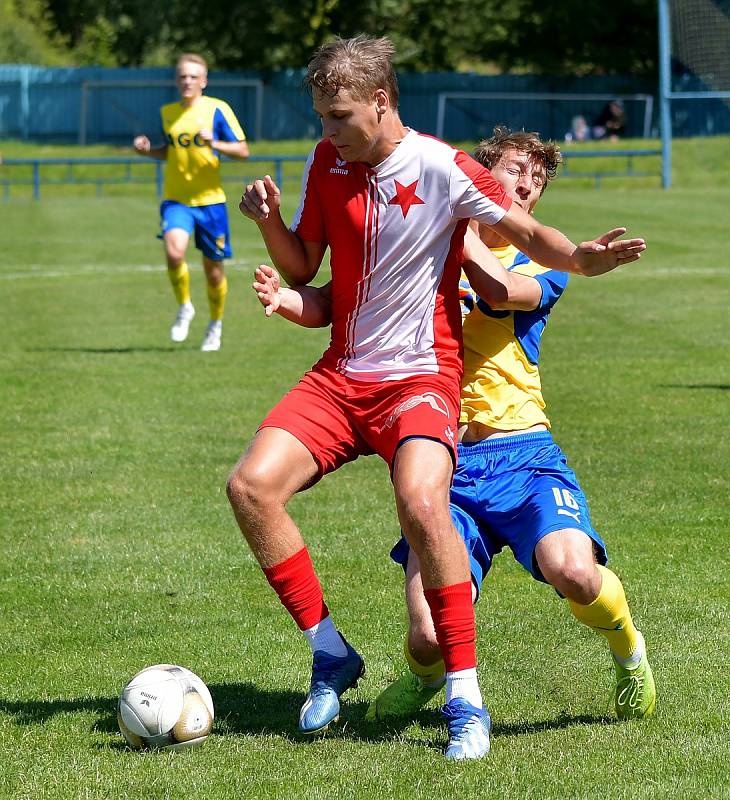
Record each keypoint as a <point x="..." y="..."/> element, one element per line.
<point x="338" y="419"/>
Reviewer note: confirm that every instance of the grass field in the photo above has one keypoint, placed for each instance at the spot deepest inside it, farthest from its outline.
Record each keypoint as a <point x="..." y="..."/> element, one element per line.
<point x="118" y="549"/>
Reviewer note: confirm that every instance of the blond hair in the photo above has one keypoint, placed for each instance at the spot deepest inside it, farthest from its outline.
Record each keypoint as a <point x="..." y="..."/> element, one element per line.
<point x="192" y="58"/>
<point x="361" y="65"/>
<point x="546" y="153"/>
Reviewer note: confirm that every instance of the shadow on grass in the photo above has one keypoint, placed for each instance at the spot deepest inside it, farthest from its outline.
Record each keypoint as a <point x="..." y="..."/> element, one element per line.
<point x="107" y="350"/>
<point x="724" y="387"/>
<point x="558" y="723"/>
<point x="244" y="708"/>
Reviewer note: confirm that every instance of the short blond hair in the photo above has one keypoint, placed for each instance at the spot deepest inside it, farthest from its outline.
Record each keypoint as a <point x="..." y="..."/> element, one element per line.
<point x="193" y="58"/>
<point x="361" y="65"/>
<point x="547" y="153"/>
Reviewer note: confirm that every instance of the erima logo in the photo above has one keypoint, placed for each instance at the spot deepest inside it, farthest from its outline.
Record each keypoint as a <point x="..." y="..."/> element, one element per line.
<point x="340" y="168"/>
<point x="436" y="402"/>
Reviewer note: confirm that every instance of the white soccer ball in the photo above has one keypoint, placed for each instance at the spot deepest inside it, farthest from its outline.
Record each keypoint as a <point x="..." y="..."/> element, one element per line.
<point x="165" y="707"/>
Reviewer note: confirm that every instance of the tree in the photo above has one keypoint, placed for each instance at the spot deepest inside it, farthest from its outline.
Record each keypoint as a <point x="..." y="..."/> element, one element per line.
<point x="566" y="38"/>
<point x="27" y="35"/>
<point x="575" y="37"/>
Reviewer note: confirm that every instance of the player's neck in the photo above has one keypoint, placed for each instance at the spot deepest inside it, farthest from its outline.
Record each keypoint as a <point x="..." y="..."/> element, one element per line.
<point x="189" y="102"/>
<point x="392" y="134"/>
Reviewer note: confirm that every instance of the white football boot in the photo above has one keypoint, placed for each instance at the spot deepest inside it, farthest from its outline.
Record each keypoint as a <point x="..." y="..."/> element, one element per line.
<point x="181" y="326"/>
<point x="212" y="339"/>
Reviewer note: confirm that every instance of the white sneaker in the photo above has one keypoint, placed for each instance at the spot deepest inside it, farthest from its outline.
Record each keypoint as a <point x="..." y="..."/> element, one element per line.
<point x="212" y="340"/>
<point x="181" y="326"/>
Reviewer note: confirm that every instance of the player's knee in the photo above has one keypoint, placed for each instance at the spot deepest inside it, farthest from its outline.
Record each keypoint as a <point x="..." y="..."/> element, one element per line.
<point x="422" y="644"/>
<point x="576" y="578"/>
<point x="421" y="503"/>
<point x="175" y="255"/>
<point x="421" y="518"/>
<point x="248" y="490"/>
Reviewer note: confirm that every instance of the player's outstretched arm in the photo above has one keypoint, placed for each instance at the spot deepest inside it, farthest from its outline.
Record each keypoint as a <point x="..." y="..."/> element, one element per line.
<point x="501" y="289"/>
<point x="549" y="247"/>
<point x="297" y="260"/>
<point x="308" y="306"/>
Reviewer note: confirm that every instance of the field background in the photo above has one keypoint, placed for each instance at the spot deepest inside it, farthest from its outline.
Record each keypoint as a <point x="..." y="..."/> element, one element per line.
<point x="118" y="548"/>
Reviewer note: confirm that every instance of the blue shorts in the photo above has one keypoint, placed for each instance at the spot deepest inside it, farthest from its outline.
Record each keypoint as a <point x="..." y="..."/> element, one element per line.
<point x="512" y="491"/>
<point x="210" y="224"/>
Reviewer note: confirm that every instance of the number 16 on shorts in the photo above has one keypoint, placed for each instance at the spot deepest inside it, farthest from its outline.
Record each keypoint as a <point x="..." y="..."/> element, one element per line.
<point x="566" y="503"/>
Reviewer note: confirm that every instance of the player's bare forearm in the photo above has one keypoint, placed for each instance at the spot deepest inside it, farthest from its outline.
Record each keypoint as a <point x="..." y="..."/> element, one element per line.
<point x="550" y="248"/>
<point x="237" y="150"/>
<point x="307" y="306"/>
<point x="157" y="153"/>
<point x="501" y="289"/>
<point x="544" y="245"/>
<point x="288" y="252"/>
<point x="296" y="259"/>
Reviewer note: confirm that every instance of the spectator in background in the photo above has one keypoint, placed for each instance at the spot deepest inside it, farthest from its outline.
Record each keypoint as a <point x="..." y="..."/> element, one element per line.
<point x="611" y="122"/>
<point x="579" y="130"/>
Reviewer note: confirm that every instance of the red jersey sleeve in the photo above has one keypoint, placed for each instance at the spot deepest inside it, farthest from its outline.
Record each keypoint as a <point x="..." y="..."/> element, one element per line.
<point x="308" y="222"/>
<point x="474" y="192"/>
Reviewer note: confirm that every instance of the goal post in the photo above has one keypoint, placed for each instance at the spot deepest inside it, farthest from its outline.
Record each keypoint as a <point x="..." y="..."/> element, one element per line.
<point x="552" y="113"/>
<point x="694" y="42"/>
<point x="131" y="103"/>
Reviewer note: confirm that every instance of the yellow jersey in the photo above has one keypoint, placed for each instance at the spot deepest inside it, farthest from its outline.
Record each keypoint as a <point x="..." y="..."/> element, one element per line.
<point x="192" y="174"/>
<point x="501" y="384"/>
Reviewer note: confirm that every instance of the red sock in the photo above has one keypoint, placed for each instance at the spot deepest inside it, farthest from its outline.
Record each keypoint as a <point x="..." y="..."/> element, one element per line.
<point x="453" y="617"/>
<point x="298" y="587"/>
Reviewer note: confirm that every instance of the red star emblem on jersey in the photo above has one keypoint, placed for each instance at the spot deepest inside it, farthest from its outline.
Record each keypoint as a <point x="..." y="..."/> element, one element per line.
<point x="405" y="197"/>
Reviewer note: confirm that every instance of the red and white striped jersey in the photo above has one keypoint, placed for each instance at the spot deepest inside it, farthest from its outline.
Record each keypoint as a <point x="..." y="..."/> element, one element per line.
<point x="395" y="234"/>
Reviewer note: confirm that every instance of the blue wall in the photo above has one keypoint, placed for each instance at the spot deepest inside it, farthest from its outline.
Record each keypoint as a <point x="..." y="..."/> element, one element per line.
<point x="45" y="104"/>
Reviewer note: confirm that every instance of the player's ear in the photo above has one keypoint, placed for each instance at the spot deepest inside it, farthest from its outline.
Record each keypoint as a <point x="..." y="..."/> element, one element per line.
<point x="382" y="101"/>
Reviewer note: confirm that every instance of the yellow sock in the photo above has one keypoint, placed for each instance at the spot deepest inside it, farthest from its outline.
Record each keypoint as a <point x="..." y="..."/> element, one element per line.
<point x="180" y="280"/>
<point x="217" y="299"/>
<point x="428" y="674"/>
<point x="609" y="615"/>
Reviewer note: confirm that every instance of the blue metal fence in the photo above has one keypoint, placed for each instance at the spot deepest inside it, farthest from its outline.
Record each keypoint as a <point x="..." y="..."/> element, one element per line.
<point x="95" y="104"/>
<point x="30" y="172"/>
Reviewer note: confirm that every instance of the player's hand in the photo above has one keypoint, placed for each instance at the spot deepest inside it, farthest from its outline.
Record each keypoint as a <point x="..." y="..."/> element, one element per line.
<point x="142" y="144"/>
<point x="266" y="286"/>
<point x="608" y="252"/>
<point x="206" y="134"/>
<point x="261" y="198"/>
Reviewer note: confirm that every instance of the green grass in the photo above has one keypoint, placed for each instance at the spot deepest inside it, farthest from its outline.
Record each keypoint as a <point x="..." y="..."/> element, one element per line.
<point x="118" y="549"/>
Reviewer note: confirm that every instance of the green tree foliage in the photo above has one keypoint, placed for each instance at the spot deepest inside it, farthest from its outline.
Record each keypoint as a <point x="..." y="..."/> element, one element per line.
<point x="577" y="37"/>
<point x="573" y="36"/>
<point x="27" y="34"/>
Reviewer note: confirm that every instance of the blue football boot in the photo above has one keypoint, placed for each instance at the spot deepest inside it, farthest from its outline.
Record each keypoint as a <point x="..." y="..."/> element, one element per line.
<point x="468" y="730"/>
<point x="331" y="677"/>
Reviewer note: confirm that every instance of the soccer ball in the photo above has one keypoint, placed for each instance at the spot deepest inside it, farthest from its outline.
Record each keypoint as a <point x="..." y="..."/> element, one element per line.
<point x="165" y="707"/>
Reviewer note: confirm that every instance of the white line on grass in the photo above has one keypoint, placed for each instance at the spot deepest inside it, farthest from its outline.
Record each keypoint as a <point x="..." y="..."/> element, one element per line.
<point x="64" y="271"/>
<point x="37" y="271"/>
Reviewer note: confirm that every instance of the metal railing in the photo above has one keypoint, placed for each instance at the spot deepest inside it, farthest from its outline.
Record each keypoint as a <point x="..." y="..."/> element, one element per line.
<point x="628" y="172"/>
<point x="135" y="170"/>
